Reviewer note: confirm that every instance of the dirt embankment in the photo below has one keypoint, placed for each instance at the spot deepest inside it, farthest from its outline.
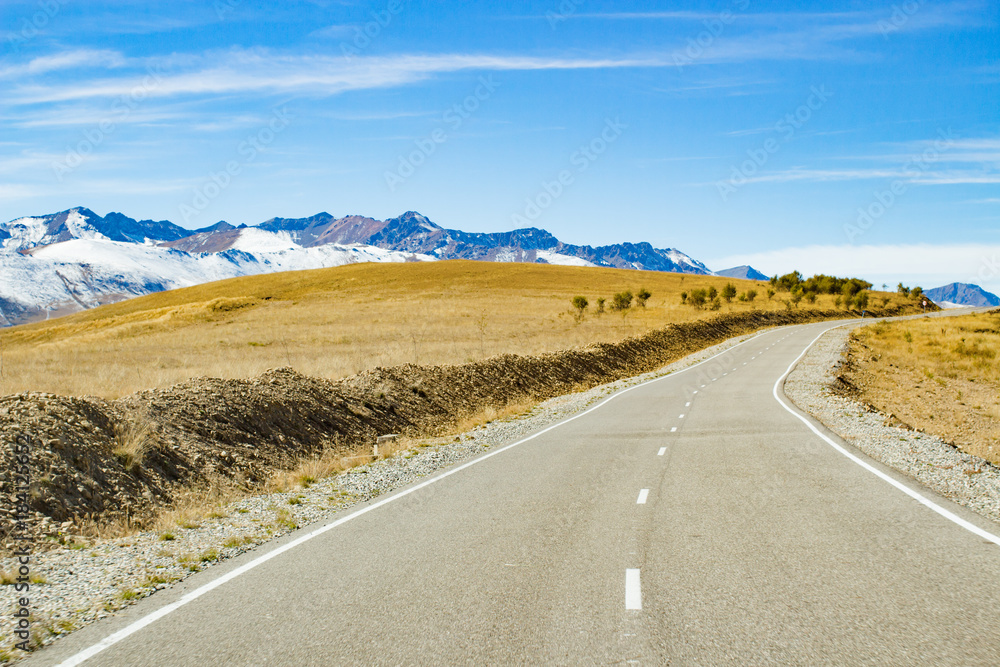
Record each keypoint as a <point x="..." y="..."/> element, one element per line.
<point x="82" y="456"/>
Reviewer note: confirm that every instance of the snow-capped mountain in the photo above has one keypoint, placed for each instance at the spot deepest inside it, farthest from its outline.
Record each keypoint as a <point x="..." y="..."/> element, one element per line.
<point x="72" y="260"/>
<point x="962" y="294"/>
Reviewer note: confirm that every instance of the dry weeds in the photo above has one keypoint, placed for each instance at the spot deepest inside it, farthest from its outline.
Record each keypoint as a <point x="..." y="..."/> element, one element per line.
<point x="337" y="322"/>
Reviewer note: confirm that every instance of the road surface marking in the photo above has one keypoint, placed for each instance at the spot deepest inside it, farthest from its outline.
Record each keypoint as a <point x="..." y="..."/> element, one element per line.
<point x="688" y="404"/>
<point x="663" y="450"/>
<point x="642" y="497"/>
<point x="696" y="391"/>
<point x="633" y="590"/>
<point x="193" y="595"/>
<point x="673" y="428"/>
<point x="681" y="417"/>
<point x="951" y="516"/>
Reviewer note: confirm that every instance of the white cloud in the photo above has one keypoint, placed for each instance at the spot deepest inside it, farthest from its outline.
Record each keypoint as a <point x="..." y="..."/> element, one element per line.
<point x="922" y="264"/>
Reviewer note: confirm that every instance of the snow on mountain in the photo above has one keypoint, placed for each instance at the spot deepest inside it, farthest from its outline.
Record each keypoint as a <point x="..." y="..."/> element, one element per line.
<point x="25" y="233"/>
<point x="252" y="239"/>
<point x="82" y="273"/>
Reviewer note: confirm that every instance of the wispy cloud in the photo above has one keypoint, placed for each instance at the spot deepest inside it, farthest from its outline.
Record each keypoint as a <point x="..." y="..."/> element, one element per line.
<point x="75" y="59"/>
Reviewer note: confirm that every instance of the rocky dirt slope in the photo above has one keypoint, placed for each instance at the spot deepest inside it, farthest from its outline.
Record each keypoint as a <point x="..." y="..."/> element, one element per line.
<point x="240" y="432"/>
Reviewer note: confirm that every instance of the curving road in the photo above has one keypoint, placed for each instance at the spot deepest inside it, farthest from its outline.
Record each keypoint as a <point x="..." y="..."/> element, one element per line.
<point x="692" y="520"/>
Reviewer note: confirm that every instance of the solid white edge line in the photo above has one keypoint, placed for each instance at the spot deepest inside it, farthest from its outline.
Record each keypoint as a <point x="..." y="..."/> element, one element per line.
<point x="633" y="590"/>
<point x="643" y="495"/>
<point x="930" y="504"/>
<point x="135" y="626"/>
<point x="663" y="450"/>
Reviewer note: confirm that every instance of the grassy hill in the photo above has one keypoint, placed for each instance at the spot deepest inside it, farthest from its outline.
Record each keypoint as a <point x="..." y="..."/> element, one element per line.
<point x="340" y="321"/>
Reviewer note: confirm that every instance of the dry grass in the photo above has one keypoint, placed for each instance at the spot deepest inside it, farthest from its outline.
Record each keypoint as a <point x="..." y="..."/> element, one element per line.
<point x="135" y="436"/>
<point x="941" y="375"/>
<point x="337" y="322"/>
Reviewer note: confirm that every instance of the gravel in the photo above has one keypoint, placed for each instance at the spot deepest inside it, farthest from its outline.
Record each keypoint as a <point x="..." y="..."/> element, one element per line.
<point x="966" y="479"/>
<point x="90" y="581"/>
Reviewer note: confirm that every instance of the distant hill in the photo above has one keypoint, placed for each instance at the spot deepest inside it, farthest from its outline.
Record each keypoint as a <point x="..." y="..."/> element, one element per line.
<point x="746" y="272"/>
<point x="963" y="294"/>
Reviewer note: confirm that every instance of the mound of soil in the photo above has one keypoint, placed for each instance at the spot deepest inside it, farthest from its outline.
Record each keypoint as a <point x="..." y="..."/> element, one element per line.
<point x="243" y="431"/>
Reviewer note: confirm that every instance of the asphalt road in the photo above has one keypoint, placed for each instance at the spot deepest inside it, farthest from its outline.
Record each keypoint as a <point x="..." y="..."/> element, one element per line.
<point x="689" y="521"/>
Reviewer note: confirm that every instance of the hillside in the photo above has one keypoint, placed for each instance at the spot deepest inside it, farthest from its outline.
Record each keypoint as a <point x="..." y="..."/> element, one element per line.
<point x="64" y="262"/>
<point x="936" y="375"/>
<point x="337" y="322"/>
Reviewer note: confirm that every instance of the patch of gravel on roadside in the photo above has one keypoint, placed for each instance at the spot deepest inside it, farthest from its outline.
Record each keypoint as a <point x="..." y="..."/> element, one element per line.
<point x="966" y="479"/>
<point x="88" y="582"/>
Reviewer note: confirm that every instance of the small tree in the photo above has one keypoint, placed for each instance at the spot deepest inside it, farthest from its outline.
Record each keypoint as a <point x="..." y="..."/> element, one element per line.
<point x="642" y="296"/>
<point x="811" y="297"/>
<point x="728" y="292"/>
<point x="712" y="293"/>
<point x="742" y="296"/>
<point x="917" y="292"/>
<point x="621" y="301"/>
<point x="751" y="295"/>
<point x="600" y="304"/>
<point x="770" y="294"/>
<point x="580" y="304"/>
<point x="716" y="304"/>
<point x="684" y="297"/>
<point x="698" y="298"/>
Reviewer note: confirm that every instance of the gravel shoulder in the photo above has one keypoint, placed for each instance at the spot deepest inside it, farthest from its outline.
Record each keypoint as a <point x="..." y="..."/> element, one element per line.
<point x="87" y="582"/>
<point x="930" y="460"/>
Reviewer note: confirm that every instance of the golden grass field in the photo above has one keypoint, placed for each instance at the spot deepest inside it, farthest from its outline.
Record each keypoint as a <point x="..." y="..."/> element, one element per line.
<point x="941" y="375"/>
<point x="340" y="321"/>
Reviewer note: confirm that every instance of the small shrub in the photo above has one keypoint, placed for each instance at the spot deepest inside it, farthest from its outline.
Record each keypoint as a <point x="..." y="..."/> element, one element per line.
<point x="684" y="297"/>
<point x="751" y="295"/>
<point x="712" y="293"/>
<point x="580" y="304"/>
<point x="716" y="304"/>
<point x="621" y="301"/>
<point x="698" y="298"/>
<point x="600" y="304"/>
<point x="642" y="296"/>
<point x="729" y="292"/>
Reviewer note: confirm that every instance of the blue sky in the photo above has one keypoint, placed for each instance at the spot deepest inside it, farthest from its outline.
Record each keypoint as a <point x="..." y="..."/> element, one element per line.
<point x="843" y="137"/>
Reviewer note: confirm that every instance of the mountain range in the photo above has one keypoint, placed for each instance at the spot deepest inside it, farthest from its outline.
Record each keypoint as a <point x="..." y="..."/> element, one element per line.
<point x="962" y="294"/>
<point x="64" y="262"/>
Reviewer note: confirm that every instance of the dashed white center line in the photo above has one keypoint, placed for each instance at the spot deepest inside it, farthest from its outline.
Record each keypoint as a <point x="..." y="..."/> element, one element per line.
<point x="663" y="450"/>
<point x="696" y="391"/>
<point x="633" y="590"/>
<point x="673" y="429"/>
<point x="643" y="494"/>
<point x="681" y="417"/>
<point x="688" y="404"/>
